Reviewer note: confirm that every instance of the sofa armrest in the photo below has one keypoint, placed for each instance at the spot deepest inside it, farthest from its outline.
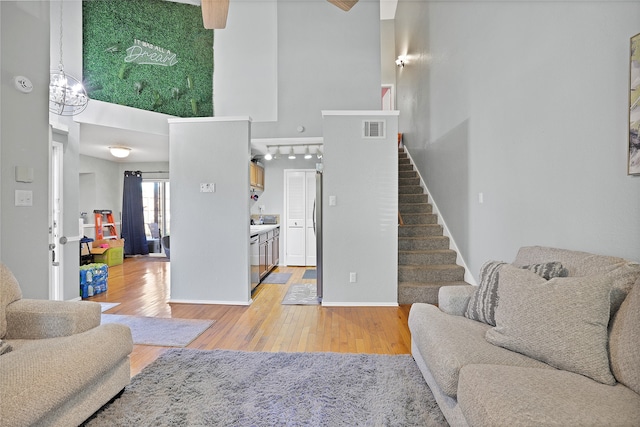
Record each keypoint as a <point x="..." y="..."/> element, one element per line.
<point x="38" y="319"/>
<point x="454" y="299"/>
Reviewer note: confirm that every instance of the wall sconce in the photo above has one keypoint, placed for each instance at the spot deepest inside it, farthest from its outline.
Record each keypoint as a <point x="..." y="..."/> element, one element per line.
<point x="401" y="61"/>
<point x="120" y="152"/>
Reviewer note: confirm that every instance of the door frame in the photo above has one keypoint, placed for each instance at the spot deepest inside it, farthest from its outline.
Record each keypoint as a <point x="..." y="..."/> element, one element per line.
<point x="56" y="218"/>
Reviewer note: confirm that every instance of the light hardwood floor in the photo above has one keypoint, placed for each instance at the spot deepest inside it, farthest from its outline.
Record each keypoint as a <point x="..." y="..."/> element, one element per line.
<point x="141" y="286"/>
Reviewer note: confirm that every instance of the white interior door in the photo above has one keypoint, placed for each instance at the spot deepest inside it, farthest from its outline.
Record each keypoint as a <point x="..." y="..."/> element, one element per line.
<point x="295" y="211"/>
<point x="300" y="241"/>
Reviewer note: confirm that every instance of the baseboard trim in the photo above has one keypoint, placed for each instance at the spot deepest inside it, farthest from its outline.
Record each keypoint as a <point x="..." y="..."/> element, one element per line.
<point x="359" y="304"/>
<point x="208" y="302"/>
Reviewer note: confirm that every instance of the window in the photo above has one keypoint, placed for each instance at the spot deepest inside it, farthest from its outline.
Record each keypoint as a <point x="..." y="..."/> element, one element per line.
<point x="156" y="206"/>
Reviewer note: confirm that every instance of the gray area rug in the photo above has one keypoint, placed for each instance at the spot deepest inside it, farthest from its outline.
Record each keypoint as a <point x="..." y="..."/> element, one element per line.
<point x="277" y="278"/>
<point x="310" y="274"/>
<point x="187" y="387"/>
<point x="160" y="331"/>
<point x="302" y="293"/>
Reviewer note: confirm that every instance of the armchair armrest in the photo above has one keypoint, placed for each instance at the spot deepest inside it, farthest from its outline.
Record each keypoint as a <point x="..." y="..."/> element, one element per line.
<point x="38" y="319"/>
<point x="454" y="299"/>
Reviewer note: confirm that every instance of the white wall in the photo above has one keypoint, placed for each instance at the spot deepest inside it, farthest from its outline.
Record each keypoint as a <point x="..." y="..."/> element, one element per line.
<point x="527" y="103"/>
<point x="360" y="233"/>
<point x="24" y="141"/>
<point x="246" y="62"/>
<point x="106" y="191"/>
<point x="388" y="52"/>
<point x="325" y="59"/>
<point x="210" y="231"/>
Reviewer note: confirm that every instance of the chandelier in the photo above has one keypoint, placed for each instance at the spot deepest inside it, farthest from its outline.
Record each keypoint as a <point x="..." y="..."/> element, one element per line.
<point x="67" y="96"/>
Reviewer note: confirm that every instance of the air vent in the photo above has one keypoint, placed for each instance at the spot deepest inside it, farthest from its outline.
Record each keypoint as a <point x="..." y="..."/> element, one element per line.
<point x="373" y="129"/>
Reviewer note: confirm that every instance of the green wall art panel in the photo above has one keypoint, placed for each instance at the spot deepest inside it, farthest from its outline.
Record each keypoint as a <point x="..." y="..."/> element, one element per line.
<point x="149" y="54"/>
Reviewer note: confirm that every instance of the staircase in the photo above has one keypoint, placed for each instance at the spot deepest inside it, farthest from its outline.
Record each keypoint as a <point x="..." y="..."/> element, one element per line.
<point x="425" y="262"/>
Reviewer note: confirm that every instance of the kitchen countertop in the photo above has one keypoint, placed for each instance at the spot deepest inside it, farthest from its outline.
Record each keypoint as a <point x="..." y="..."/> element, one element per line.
<point x="254" y="230"/>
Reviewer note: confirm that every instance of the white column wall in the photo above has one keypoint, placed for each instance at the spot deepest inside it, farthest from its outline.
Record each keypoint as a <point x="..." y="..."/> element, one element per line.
<point x="210" y="231"/>
<point x="360" y="233"/>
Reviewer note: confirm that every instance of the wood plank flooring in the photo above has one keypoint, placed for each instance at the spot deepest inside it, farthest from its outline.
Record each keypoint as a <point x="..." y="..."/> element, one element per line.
<point x="141" y="286"/>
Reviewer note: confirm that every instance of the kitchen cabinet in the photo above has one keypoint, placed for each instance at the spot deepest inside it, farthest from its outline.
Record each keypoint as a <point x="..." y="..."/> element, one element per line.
<point x="269" y="251"/>
<point x="256" y="176"/>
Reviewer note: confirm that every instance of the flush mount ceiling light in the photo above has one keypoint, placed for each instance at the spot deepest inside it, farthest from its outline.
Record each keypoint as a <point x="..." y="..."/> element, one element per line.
<point x="120" y="152"/>
<point x="292" y="155"/>
<point x="67" y="96"/>
<point x="307" y="153"/>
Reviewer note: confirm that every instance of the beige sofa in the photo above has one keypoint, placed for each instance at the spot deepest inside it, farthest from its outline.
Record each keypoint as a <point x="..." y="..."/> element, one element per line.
<point x="62" y="365"/>
<point x="564" y="351"/>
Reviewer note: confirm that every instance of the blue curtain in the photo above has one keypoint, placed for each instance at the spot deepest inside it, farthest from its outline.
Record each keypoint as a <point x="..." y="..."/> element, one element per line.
<point x="135" y="239"/>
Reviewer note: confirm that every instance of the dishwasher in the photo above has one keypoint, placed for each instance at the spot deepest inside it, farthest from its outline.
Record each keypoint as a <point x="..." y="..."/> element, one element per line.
<point x="254" y="256"/>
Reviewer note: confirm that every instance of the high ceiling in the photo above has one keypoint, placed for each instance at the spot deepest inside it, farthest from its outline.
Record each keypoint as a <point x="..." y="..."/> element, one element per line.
<point x="152" y="146"/>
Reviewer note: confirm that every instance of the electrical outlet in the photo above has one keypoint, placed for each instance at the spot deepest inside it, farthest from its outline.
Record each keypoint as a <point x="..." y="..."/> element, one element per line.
<point x="24" y="198"/>
<point x="353" y="277"/>
<point x="208" y="187"/>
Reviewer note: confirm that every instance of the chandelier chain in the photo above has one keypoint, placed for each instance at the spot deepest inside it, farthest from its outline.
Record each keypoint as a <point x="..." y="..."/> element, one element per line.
<point x="61" y="5"/>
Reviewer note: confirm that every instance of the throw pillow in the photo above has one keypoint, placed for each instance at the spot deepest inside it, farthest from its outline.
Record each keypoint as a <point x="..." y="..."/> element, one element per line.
<point x="483" y="302"/>
<point x="548" y="270"/>
<point x="4" y="347"/>
<point x="562" y="322"/>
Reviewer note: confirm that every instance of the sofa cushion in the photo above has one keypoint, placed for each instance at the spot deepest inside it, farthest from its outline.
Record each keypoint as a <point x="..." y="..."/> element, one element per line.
<point x="447" y="343"/>
<point x="492" y="395"/>
<point x="576" y="262"/>
<point x="9" y="292"/>
<point x="623" y="341"/>
<point x="562" y="322"/>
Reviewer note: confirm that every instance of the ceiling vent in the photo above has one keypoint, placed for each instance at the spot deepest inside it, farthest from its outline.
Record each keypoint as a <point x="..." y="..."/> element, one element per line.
<point x="373" y="129"/>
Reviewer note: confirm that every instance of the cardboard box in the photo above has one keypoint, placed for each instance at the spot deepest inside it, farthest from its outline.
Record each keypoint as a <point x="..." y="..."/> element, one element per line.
<point x="96" y="245"/>
<point x="112" y="254"/>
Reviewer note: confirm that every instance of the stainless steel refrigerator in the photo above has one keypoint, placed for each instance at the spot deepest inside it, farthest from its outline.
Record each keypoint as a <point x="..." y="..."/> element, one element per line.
<point x="317" y="228"/>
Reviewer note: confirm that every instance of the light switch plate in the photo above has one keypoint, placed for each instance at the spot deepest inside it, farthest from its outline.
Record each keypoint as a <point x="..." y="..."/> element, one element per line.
<point x="332" y="200"/>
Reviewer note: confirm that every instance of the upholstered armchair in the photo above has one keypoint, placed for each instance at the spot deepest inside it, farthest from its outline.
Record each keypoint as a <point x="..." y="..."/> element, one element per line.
<point x="58" y="365"/>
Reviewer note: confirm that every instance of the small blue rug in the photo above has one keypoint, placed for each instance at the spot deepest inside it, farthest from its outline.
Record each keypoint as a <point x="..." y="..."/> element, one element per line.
<point x="310" y="274"/>
<point x="277" y="278"/>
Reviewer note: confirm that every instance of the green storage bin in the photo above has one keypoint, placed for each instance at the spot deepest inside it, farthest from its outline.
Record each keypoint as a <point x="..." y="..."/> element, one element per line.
<point x="111" y="257"/>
